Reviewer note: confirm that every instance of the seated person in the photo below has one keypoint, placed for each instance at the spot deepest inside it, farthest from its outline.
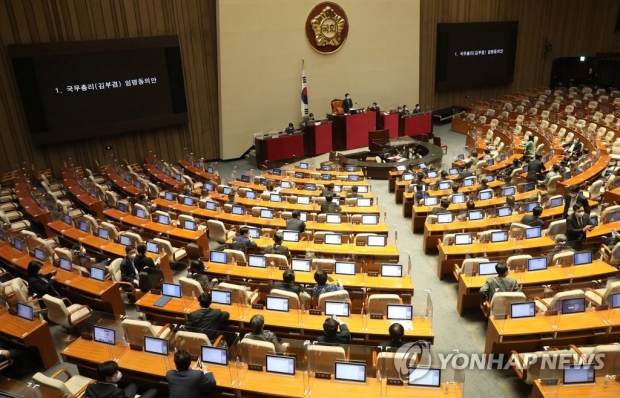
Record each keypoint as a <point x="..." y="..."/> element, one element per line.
<point x="79" y="253"/>
<point x="277" y="247"/>
<point x="396" y="331"/>
<point x="487" y="155"/>
<point x="329" y="206"/>
<point x="205" y="196"/>
<point x="207" y="320"/>
<point x="231" y="198"/>
<point x="106" y="386"/>
<point x="442" y="208"/>
<point x="39" y="283"/>
<point x="142" y="260"/>
<point x="499" y="283"/>
<point x="443" y="177"/>
<point x="185" y="382"/>
<point x="196" y="272"/>
<point x="533" y="220"/>
<point x="613" y="240"/>
<point x="244" y="241"/>
<point x="560" y="246"/>
<point x="256" y="324"/>
<point x="373" y="107"/>
<point x="320" y="277"/>
<point x="288" y="282"/>
<point x="483" y="184"/>
<point x="330" y="327"/>
<point x="294" y="223"/>
<point x="416" y="110"/>
<point x="353" y="193"/>
<point x="465" y="171"/>
<point x="329" y="190"/>
<point x="290" y="129"/>
<point x="554" y="172"/>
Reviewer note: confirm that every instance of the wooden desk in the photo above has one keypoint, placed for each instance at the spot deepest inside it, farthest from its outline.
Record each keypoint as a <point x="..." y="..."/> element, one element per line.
<point x="455" y="254"/>
<point x="93" y="205"/>
<point x="469" y="286"/>
<point x="559" y="391"/>
<point x="36" y="212"/>
<point x="294" y="323"/>
<point x="35" y="334"/>
<point x="283" y="146"/>
<point x="171" y="183"/>
<point x="128" y="188"/>
<point x="197" y="172"/>
<point x="532" y="334"/>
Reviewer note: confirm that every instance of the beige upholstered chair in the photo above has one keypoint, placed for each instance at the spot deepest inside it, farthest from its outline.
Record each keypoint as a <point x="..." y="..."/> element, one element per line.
<point x="74" y="386"/>
<point x="68" y="317"/>
<point x="254" y="351"/>
<point x="377" y="303"/>
<point x="190" y="287"/>
<point x="499" y="306"/>
<point x="322" y="358"/>
<point x="135" y="331"/>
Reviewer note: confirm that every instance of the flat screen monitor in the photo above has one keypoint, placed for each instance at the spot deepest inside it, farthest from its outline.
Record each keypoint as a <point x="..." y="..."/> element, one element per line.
<point x="615" y="216"/>
<point x="581" y="258"/>
<point x="573" y="305"/>
<point x="25" y="311"/>
<point x="458" y="198"/>
<point x="254" y="232"/>
<point x="485" y="195"/>
<point x="303" y="216"/>
<point x="68" y="220"/>
<point x="407" y="177"/>
<point x="266" y="213"/>
<point x="2" y="235"/>
<point x="362" y="189"/>
<point x="276" y="172"/>
<point x="508" y="191"/>
<point x="326" y="177"/>
<point x="18" y="244"/>
<point x="444" y="185"/>
<point x="396" y="312"/>
<point x="469" y="182"/>
<point x="529" y="186"/>
<point x="238" y="210"/>
<point x="345" y="268"/>
<point x="250" y="195"/>
<point x="444" y="218"/>
<point x="300" y="174"/>
<point x="274" y="197"/>
<point x="567" y="175"/>
<point x="104" y="335"/>
<point x="214" y="355"/>
<point x="128" y="178"/>
<point x="555" y="202"/>
<point x="163" y="219"/>
<point x="257" y="261"/>
<point x="461" y="156"/>
<point x="578" y="374"/>
<point x="462" y="239"/>
<point x="211" y="206"/>
<point x="217" y="257"/>
<point x="530" y="206"/>
<point x="280" y="364"/>
<point x="303" y="200"/>
<point x="171" y="290"/>
<point x="154" y="345"/>
<point x="487" y="268"/>
<point x="140" y="213"/>
<point x="168" y="172"/>
<point x="333" y="239"/>
<point x="533" y="233"/>
<point x="364" y="202"/>
<point x="221" y="296"/>
<point x="169" y="196"/>
<point x="350" y="169"/>
<point x="300" y="264"/>
<point x="615" y="300"/>
<point x="474" y="215"/>
<point x="210" y="169"/>
<point x="350" y="371"/>
<point x="126" y="240"/>
<point x="187" y="201"/>
<point x="594" y="221"/>
<point x="310" y="186"/>
<point x="370" y="219"/>
<point x="262" y="181"/>
<point x="432" y="174"/>
<point x="303" y="166"/>
<point x="431" y="201"/>
<point x="376" y="240"/>
<point x="83" y="226"/>
<point x="121" y="207"/>
<point x="189" y="225"/>
<point x="290" y="236"/>
<point x="276" y="303"/>
<point x="392" y="270"/>
<point x="245" y="178"/>
<point x="424" y="377"/>
<point x="490" y="162"/>
<point x="208" y="186"/>
<point x="137" y="184"/>
<point x="39" y="254"/>
<point x="178" y="177"/>
<point x="333" y="218"/>
<point x="65" y="264"/>
<point x="537" y="264"/>
<point x="499" y="236"/>
<point x="226" y="190"/>
<point x="453" y="171"/>
<point x="354" y="178"/>
<point x="152" y="247"/>
<point x="401" y="167"/>
<point x="284" y="184"/>
<point x="504" y="211"/>
<point x="490" y="178"/>
<point x="525" y="309"/>
<point x="338" y="308"/>
<point x="97" y="273"/>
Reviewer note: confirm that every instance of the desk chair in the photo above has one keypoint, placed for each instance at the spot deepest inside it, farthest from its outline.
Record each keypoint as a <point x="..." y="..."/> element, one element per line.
<point x="150" y="278"/>
<point x="67" y="317"/>
<point x="325" y="264"/>
<point x="94" y="224"/>
<point x="153" y="190"/>
<point x="135" y="331"/>
<point x="192" y="342"/>
<point x="448" y="239"/>
<point x="135" y="238"/>
<point x="190" y="287"/>
<point x="553" y="303"/>
<point x="240" y="294"/>
<point x="235" y="255"/>
<point x="608" y="354"/>
<point x="385" y="363"/>
<point x="610" y="256"/>
<point x="74" y="386"/>
<point x="431" y="218"/>
<point x="595" y="191"/>
<point x="16" y="291"/>
<point x="499" y="306"/>
<point x="17" y="225"/>
<point x="602" y="296"/>
<point x="321" y="358"/>
<point x="469" y="266"/>
<point x="552" y="184"/>
<point x="114" y="271"/>
<point x="377" y="303"/>
<point x="517" y="230"/>
<point x="218" y="232"/>
<point x="256" y="209"/>
<point x="278" y="260"/>
<point x="319" y="236"/>
<point x="363" y="238"/>
<point x="485" y="236"/>
<point x="113" y="232"/>
<point x="254" y="351"/>
<point x="174" y="253"/>
<point x="340" y="295"/>
<point x="517" y="262"/>
<point x="556" y="228"/>
<point x="146" y="211"/>
<point x="563" y="258"/>
<point x="528" y="366"/>
<point x="605" y="214"/>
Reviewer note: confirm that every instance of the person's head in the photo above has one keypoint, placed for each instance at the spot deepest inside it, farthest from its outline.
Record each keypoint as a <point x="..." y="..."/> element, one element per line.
<point x="404" y="106"/>
<point x="231" y="197"/>
<point x="256" y="324"/>
<point x="464" y="166"/>
<point x="330" y="186"/>
<point x="269" y="187"/>
<point x="244" y="231"/>
<point x="329" y="197"/>
<point x="537" y="211"/>
<point x="354" y="189"/>
<point x="196" y="267"/>
<point x="78" y="249"/>
<point x="501" y="268"/>
<point x="205" y="299"/>
<point x="471" y="205"/>
<point x="397" y="331"/>
<point x="295" y="214"/>
<point x="374" y="104"/>
<point x="487" y="151"/>
<point x="311" y="115"/>
<point x="417" y="105"/>
<point x="421" y="175"/>
<point x="204" y="193"/>
<point x="617" y="172"/>
<point x="288" y="276"/>
<point x="510" y="200"/>
<point x="573" y="190"/>
<point x="187" y="190"/>
<point x="484" y="181"/>
<point x="560" y="239"/>
<point x="290" y="125"/>
<point x="320" y="277"/>
<point x="108" y="372"/>
<point x="142" y="197"/>
<point x="445" y="203"/>
<point x="182" y="360"/>
<point x="34" y="268"/>
<point x="346" y="95"/>
<point x="278" y="237"/>
<point x="142" y="248"/>
<point x="455" y="187"/>
<point x="330" y="327"/>
<point x="538" y="156"/>
<point x="578" y="210"/>
<point x="400" y="108"/>
<point x="130" y="252"/>
<point x="444" y="174"/>
<point x="556" y="168"/>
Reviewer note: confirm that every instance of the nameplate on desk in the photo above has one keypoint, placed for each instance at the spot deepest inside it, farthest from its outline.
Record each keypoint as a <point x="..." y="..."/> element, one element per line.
<point x="315" y="312"/>
<point x="551" y="313"/>
<point x="394" y="382"/>
<point x="546" y="336"/>
<point x="86" y="336"/>
<point x="549" y="382"/>
<point x="373" y="273"/>
<point x="603" y="307"/>
<point x="360" y="244"/>
<point x="320" y="375"/>
<point x="597" y="332"/>
<point x="13" y="311"/>
<point x="255" y="367"/>
<point x="136" y="347"/>
<point x="204" y="259"/>
<point x="242" y="263"/>
<point x="283" y="267"/>
<point x="376" y="316"/>
<point x="156" y="291"/>
<point x="257" y="306"/>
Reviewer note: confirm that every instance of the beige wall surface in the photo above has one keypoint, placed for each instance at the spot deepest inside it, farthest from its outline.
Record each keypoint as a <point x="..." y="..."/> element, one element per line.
<point x="261" y="45"/>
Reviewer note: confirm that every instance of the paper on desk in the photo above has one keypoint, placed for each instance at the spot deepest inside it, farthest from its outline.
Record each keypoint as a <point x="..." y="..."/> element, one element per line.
<point x="407" y="325"/>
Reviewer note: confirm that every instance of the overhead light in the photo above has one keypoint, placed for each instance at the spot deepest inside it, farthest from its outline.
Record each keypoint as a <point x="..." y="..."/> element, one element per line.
<point x="582" y="59"/>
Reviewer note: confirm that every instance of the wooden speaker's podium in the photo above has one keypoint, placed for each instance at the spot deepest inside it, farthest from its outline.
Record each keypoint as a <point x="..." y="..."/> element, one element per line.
<point x="378" y="139"/>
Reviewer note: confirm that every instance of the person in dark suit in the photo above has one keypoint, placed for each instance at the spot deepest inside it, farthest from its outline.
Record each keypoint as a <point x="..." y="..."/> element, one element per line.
<point x="416" y="110"/>
<point x="329" y="190"/>
<point x="396" y="331"/>
<point x="577" y="224"/>
<point x="39" y="283"/>
<point x="243" y="242"/>
<point x="465" y="171"/>
<point x="353" y="193"/>
<point x="484" y="184"/>
<point x="535" y="168"/>
<point x="129" y="273"/>
<point x="277" y="247"/>
<point x="329" y="206"/>
<point x="185" y="382"/>
<point x="108" y="377"/>
<point x="573" y="198"/>
<point x="373" y="107"/>
<point x="207" y="320"/>
<point x="290" y="129"/>
<point x="142" y="261"/>
<point x="572" y="147"/>
<point x="257" y="322"/>
<point x="347" y="104"/>
<point x="404" y="111"/>
<point x="442" y="208"/>
<point x="294" y="223"/>
<point x="499" y="283"/>
<point x="288" y="278"/>
<point x="330" y="327"/>
<point x="533" y="220"/>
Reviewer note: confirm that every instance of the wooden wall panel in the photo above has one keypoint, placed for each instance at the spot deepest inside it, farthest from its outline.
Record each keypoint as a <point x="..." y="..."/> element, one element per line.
<point x="573" y="27"/>
<point x="41" y="21"/>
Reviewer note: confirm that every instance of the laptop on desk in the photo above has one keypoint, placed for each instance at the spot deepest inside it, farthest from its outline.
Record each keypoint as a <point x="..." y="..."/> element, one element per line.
<point x="168" y="291"/>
